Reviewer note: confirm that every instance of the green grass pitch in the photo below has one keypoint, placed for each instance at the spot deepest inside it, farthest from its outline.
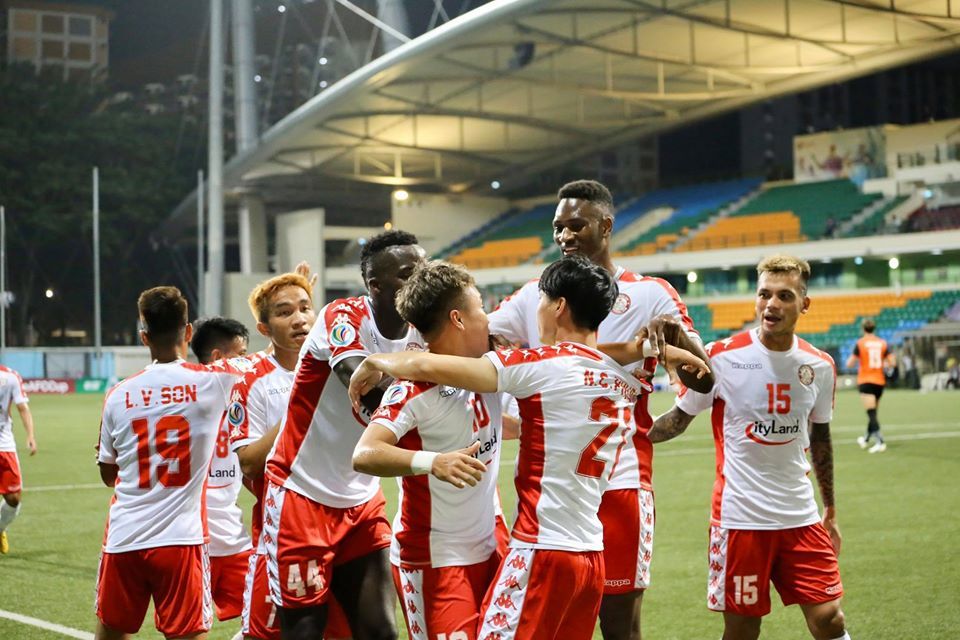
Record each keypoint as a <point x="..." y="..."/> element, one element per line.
<point x="898" y="512"/>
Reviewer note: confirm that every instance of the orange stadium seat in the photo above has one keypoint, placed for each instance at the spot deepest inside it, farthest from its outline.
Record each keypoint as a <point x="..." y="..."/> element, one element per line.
<point x="499" y="253"/>
<point x="746" y="231"/>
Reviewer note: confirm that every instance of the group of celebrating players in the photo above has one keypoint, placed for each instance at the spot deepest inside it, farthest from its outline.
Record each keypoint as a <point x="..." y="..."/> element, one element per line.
<point x="414" y="380"/>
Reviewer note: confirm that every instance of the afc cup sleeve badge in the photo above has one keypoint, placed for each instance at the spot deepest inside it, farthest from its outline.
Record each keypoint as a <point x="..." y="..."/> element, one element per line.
<point x="342" y="334"/>
<point x="805" y="373"/>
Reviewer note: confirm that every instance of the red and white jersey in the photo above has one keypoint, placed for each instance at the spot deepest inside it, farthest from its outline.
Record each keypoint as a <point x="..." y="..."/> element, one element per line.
<point x="314" y="451"/>
<point x="575" y="423"/>
<point x="640" y="300"/>
<point x="224" y="517"/>
<point x="160" y="427"/>
<point x="258" y="402"/>
<point x="437" y="524"/>
<point x="11" y="393"/>
<point x="762" y="406"/>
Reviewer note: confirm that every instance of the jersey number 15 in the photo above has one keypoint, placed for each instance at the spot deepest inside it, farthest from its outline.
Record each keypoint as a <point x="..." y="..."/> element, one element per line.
<point x="171" y="442"/>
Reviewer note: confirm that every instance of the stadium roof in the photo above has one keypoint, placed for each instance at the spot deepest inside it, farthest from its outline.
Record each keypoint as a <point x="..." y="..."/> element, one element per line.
<point x="518" y="86"/>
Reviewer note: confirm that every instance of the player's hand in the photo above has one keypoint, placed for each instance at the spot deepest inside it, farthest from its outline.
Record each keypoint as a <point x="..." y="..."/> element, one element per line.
<point x="459" y="468"/>
<point x="663" y="330"/>
<point x="497" y="341"/>
<point x="678" y="358"/>
<point x="364" y="379"/>
<point x="303" y="269"/>
<point x="830" y="524"/>
<point x="32" y="445"/>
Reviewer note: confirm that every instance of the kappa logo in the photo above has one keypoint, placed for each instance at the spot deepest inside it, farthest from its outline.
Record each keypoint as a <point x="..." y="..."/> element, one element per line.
<point x="518" y="563"/>
<point x="510" y="582"/>
<point x="746" y="365"/>
<point x="834" y="589"/>
<point x="342" y="334"/>
<point x="504" y="601"/>
<point x="498" y="620"/>
<point x="236" y="414"/>
<point x="415" y="628"/>
<point x="493" y="635"/>
<point x="446" y="392"/>
<point x="409" y="588"/>
<point x="411" y="606"/>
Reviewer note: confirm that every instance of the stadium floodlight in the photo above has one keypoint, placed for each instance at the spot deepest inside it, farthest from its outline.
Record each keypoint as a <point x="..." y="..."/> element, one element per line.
<point x="323" y="84"/>
<point x="858" y="260"/>
<point x="257" y="78"/>
<point x="495" y="184"/>
<point x="281" y="8"/>
<point x="48" y="293"/>
<point x="894" y="263"/>
<point x="388" y="225"/>
<point x="692" y="277"/>
<point x="937" y="252"/>
<point x="401" y="194"/>
<point x="322" y="61"/>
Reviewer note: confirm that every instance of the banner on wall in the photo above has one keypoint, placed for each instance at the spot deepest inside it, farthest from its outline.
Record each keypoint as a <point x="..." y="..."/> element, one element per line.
<point x="57" y="386"/>
<point x="857" y="154"/>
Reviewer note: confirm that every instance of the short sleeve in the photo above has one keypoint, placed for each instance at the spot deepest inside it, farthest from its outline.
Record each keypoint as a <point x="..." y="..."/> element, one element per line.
<point x="341" y="331"/>
<point x="19" y="393"/>
<point x="396" y="411"/>
<point x="826" y="387"/>
<point x="246" y="416"/>
<point x="106" y="453"/>
<point x="668" y="302"/>
<point x="856" y="349"/>
<point x="517" y="371"/>
<point x="509" y="319"/>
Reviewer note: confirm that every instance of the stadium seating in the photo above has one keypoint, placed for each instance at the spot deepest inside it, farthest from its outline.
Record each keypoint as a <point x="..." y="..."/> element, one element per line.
<point x="499" y="253"/>
<point x="874" y="223"/>
<point x="746" y="231"/>
<point x="934" y="219"/>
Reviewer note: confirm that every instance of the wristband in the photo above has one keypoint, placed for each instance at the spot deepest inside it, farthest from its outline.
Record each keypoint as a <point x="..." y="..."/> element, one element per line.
<point x="422" y="462"/>
<point x="649" y="351"/>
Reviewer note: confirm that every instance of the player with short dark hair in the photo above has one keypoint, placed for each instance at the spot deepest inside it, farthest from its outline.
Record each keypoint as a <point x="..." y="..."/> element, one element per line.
<point x="576" y="416"/>
<point x="773" y="400"/>
<point x="157" y="436"/>
<point x="583" y="225"/>
<point x="217" y="338"/>
<point x="871" y="355"/>
<point x="12" y="394"/>
<point x="309" y="471"/>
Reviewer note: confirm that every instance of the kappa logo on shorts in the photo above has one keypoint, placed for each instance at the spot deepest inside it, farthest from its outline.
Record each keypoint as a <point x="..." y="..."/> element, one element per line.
<point x="616" y="583"/>
<point x="504" y="601"/>
<point x="499" y="620"/>
<point x="834" y="589"/>
<point x="342" y="334"/>
<point x="510" y="582"/>
<point x="517" y="562"/>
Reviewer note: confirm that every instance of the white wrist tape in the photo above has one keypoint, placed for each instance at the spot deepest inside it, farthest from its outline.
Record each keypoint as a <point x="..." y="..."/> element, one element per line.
<point x="649" y="350"/>
<point x="422" y="462"/>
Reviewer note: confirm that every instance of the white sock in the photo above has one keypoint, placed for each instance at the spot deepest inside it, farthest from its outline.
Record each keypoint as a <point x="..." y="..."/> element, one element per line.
<point x="7" y="514"/>
<point x="239" y="635"/>
<point x="845" y="636"/>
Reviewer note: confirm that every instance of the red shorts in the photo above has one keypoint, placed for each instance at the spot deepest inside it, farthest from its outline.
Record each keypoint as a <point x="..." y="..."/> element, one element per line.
<point x="10" y="480"/>
<point x="176" y="577"/>
<point x="541" y="594"/>
<point x="502" y="534"/>
<point x="443" y="600"/>
<point x="305" y="540"/>
<point x="800" y="562"/>
<point x="260" y="619"/>
<point x="628" y="517"/>
<point x="227" y="577"/>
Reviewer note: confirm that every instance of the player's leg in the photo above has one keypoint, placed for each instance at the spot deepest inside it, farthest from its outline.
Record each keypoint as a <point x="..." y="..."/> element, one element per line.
<point x="807" y="574"/>
<point x="364" y="588"/>
<point x="227" y="582"/>
<point x="825" y="620"/>
<point x="869" y="402"/>
<point x="881" y="445"/>
<point x="10" y="486"/>
<point x="259" y="613"/>
<point x="628" y="517"/>
<point x="737" y="627"/>
<point x="122" y="595"/>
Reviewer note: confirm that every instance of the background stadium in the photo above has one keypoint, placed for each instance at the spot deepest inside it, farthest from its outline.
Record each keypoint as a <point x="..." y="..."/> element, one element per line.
<point x="727" y="130"/>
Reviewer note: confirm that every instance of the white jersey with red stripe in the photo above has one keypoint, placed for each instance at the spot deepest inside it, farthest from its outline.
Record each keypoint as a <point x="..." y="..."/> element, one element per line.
<point x="640" y="300"/>
<point x="224" y="516"/>
<point x="160" y="427"/>
<point x="575" y="422"/>
<point x="11" y="393"/>
<point x="314" y="451"/>
<point x="437" y="524"/>
<point x="762" y="406"/>
<point x="258" y="402"/>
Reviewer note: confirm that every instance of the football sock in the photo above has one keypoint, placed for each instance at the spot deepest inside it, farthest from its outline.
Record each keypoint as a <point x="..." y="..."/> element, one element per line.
<point x="845" y="636"/>
<point x="7" y="514"/>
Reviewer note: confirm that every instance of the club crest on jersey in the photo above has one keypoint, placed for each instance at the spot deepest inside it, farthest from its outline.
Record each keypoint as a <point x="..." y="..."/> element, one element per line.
<point x="414" y="346"/>
<point x="342" y="334"/>
<point x="621" y="304"/>
<point x="235" y="414"/>
<point x="805" y="373"/>
<point x="395" y="394"/>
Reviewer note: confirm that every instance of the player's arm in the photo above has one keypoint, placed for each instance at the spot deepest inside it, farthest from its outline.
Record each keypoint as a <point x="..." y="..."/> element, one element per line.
<point x="109" y="473"/>
<point x="377" y="455"/>
<point x="510" y="427"/>
<point x="473" y="374"/>
<point x="669" y="425"/>
<point x="27" y="419"/>
<point x="666" y="330"/>
<point x="253" y="457"/>
<point x="852" y="360"/>
<point x="372" y="395"/>
<point x="821" y="457"/>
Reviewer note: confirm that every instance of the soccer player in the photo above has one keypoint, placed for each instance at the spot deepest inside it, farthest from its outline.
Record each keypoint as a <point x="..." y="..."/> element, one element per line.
<point x="157" y="436"/>
<point x="11" y="483"/>
<point x="773" y="399"/>
<point x="576" y="417"/>
<point x="872" y="354"/>
<point x="230" y="546"/>
<point x="309" y="471"/>
<point x="582" y="225"/>
<point x="444" y="550"/>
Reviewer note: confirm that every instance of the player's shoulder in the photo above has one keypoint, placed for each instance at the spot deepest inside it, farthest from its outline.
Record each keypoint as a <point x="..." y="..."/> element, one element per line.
<point x="401" y="394"/>
<point x="815" y="355"/>
<point x="730" y="344"/>
<point x="7" y="371"/>
<point x="261" y="371"/>
<point x="125" y="383"/>
<point x="545" y="354"/>
<point x="235" y="366"/>
<point x="345" y="310"/>
<point x="522" y="292"/>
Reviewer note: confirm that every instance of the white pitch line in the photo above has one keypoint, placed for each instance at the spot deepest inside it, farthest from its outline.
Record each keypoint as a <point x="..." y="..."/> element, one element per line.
<point x="65" y="487"/>
<point x="49" y="626"/>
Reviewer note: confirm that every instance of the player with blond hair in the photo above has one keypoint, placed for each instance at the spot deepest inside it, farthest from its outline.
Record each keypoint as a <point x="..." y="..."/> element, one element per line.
<point x="773" y="400"/>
